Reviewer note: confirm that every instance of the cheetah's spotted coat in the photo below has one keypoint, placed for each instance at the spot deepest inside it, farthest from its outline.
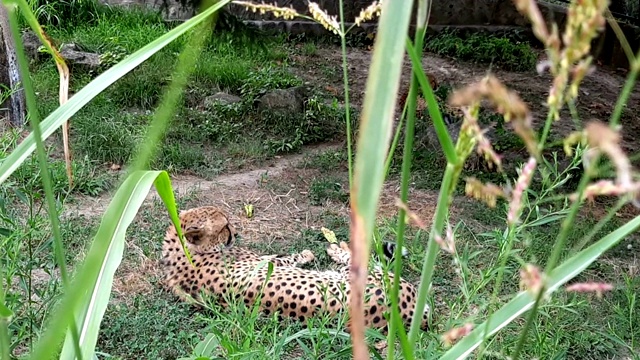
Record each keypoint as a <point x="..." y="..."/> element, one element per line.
<point x="221" y="268"/>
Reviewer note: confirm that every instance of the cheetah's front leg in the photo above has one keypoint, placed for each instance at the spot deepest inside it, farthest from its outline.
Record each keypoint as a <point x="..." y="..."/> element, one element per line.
<point x="296" y="259"/>
<point x="340" y="254"/>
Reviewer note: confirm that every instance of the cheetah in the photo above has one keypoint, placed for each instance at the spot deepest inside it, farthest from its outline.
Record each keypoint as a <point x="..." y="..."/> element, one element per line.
<point x="223" y="269"/>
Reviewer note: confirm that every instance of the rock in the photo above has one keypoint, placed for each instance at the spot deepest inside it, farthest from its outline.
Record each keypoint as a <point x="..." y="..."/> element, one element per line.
<point x="221" y="98"/>
<point x="70" y="52"/>
<point x="170" y="9"/>
<point x="289" y="101"/>
<point x="31" y="44"/>
<point x="73" y="56"/>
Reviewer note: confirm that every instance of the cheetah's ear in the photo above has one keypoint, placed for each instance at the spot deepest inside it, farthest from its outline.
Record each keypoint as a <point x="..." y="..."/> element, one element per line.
<point x="232" y="235"/>
<point x="193" y="234"/>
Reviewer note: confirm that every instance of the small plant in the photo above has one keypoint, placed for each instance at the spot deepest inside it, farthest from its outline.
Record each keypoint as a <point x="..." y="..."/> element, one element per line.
<point x="110" y="58"/>
<point x="222" y="124"/>
<point x="248" y="210"/>
<point x="309" y="49"/>
<point x="326" y="160"/>
<point x="5" y="93"/>
<point x="259" y="82"/>
<point x="486" y="49"/>
<point x="324" y="189"/>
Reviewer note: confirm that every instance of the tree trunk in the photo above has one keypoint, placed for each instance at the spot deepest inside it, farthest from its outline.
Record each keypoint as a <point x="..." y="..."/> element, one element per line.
<point x="9" y="71"/>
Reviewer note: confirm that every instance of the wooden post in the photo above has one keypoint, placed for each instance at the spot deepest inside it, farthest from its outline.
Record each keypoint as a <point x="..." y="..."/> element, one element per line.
<point x="17" y="104"/>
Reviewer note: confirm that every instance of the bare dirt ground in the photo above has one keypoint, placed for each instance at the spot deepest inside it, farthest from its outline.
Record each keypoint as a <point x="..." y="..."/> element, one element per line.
<point x="277" y="192"/>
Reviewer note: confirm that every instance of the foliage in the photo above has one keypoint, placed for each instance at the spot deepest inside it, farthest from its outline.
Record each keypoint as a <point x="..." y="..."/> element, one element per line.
<point x="108" y="129"/>
<point x="66" y="12"/>
<point x="325" y="189"/>
<point x="502" y="52"/>
<point x="260" y="82"/>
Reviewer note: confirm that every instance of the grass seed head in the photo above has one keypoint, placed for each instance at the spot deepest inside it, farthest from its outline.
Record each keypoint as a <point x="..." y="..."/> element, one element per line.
<point x="487" y="193"/>
<point x="521" y="185"/>
<point x="592" y="287"/>
<point x="455" y="334"/>
<point x="369" y="12"/>
<point x="286" y="13"/>
<point x="506" y="102"/>
<point x="531" y="279"/>
<point x="323" y="18"/>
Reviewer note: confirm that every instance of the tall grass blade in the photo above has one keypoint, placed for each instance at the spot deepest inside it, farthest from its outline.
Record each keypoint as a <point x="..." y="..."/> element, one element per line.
<point x="47" y="183"/>
<point x="369" y="170"/>
<point x="525" y="300"/>
<point x="95" y="87"/>
<point x="89" y="294"/>
<point x="5" y="317"/>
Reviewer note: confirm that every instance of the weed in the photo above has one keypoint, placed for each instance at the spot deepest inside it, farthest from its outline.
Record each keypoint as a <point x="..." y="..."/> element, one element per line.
<point x="261" y="81"/>
<point x="319" y="122"/>
<point x="329" y="160"/>
<point x="221" y="124"/>
<point x="324" y="189"/>
<point x="309" y="49"/>
<point x="482" y="48"/>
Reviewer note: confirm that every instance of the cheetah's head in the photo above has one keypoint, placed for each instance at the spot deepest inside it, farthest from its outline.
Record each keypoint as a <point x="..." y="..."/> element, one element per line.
<point x="207" y="228"/>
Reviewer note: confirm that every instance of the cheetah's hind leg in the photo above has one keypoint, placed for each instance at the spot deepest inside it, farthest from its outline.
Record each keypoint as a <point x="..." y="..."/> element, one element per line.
<point x="339" y="254"/>
<point x="304" y="257"/>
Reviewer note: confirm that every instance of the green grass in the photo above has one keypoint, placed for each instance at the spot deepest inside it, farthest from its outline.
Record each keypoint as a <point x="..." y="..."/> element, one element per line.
<point x="151" y="326"/>
<point x="500" y="51"/>
<point x="157" y="325"/>
<point x="327" y="189"/>
<point x="89" y="178"/>
<point x="200" y="140"/>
